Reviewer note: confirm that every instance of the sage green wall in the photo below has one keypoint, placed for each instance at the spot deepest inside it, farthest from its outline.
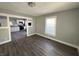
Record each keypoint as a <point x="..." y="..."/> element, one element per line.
<point x="67" y="26"/>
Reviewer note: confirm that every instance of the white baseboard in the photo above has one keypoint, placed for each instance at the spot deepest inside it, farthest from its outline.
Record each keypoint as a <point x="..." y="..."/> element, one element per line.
<point x="78" y="52"/>
<point x="69" y="44"/>
<point x="5" y="42"/>
<point x="31" y="34"/>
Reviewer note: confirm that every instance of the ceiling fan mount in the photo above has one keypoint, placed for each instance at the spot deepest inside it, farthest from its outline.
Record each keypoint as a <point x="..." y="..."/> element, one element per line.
<point x="31" y="4"/>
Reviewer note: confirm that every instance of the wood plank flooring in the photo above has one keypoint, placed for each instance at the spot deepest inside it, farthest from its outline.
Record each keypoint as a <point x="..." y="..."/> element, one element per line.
<point x="18" y="35"/>
<point x="36" y="46"/>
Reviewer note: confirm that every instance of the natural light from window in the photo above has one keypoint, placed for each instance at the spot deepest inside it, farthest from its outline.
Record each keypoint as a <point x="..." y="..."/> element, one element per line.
<point x="50" y="26"/>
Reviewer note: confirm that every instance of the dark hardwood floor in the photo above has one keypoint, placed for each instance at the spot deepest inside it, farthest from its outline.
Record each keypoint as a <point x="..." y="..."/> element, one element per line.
<point x="36" y="46"/>
<point x="18" y="35"/>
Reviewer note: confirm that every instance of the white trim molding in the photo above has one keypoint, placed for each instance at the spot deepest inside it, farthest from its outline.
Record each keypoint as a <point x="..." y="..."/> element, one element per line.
<point x="5" y="42"/>
<point x="31" y="34"/>
<point x="68" y="44"/>
<point x="78" y="52"/>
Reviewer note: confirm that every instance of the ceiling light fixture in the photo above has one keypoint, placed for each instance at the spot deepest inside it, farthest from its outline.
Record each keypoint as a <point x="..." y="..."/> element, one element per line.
<point x="31" y="4"/>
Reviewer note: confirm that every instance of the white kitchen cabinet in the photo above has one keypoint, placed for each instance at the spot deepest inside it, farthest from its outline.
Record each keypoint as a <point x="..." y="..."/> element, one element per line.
<point x="15" y="28"/>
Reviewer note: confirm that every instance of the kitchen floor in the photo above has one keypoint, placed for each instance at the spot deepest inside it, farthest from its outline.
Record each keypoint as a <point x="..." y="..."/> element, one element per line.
<point x="18" y="35"/>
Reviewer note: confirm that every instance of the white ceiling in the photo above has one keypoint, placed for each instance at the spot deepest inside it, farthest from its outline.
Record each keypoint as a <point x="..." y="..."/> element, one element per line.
<point x="41" y="8"/>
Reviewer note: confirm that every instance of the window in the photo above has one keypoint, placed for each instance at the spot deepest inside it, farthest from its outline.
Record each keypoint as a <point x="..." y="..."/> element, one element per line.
<point x="50" y="26"/>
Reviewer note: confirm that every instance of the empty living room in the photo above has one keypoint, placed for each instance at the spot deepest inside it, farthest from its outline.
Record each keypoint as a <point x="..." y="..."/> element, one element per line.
<point x="39" y="28"/>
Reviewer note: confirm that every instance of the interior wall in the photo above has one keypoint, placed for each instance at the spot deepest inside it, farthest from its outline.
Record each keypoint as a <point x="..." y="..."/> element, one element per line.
<point x="4" y="35"/>
<point x="34" y="25"/>
<point x="67" y="26"/>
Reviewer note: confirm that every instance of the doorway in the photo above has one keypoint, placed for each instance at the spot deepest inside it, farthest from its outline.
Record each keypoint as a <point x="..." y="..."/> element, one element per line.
<point x="18" y="28"/>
